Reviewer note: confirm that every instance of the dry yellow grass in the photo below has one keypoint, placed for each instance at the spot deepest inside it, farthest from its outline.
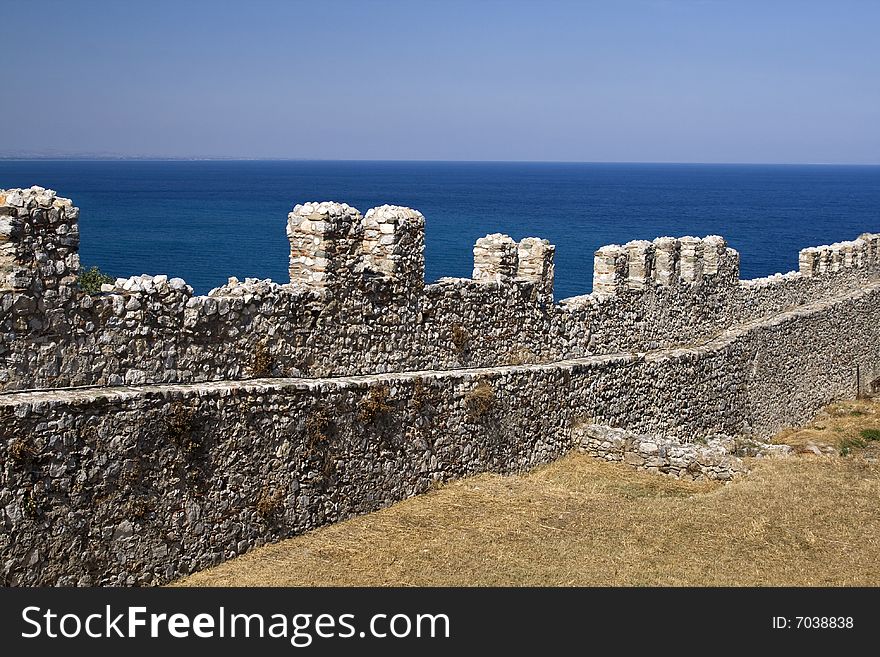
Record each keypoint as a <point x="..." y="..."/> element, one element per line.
<point x="808" y="520"/>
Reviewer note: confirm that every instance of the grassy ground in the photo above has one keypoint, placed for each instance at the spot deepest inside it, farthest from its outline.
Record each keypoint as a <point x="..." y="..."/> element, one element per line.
<point x="812" y="519"/>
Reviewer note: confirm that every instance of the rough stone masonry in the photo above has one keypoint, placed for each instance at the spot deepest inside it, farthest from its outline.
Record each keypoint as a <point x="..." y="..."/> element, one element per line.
<point x="146" y="432"/>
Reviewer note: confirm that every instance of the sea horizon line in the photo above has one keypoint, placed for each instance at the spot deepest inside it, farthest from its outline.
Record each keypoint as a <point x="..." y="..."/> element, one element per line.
<point x="151" y="158"/>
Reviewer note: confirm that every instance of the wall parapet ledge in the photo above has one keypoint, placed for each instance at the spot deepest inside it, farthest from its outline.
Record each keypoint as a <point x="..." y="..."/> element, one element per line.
<point x="146" y="284"/>
<point x="357" y="303"/>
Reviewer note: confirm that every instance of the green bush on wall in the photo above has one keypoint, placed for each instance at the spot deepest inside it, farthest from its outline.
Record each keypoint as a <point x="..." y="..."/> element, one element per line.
<point x="90" y="280"/>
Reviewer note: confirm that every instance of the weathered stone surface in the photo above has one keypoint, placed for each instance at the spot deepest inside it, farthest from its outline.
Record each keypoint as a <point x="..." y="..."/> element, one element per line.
<point x="39" y="241"/>
<point x="610" y="270"/>
<point x="691" y="260"/>
<point x="535" y="264"/>
<point x="496" y="258"/>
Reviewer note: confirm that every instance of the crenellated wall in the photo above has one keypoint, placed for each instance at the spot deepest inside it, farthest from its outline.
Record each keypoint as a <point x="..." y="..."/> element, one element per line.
<point x="146" y="432"/>
<point x="357" y="302"/>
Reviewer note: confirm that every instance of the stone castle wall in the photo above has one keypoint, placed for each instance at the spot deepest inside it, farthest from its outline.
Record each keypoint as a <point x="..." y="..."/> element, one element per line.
<point x="200" y="427"/>
<point x="357" y="302"/>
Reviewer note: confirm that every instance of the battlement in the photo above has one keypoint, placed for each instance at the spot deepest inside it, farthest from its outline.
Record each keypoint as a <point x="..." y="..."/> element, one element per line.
<point x="324" y="240"/>
<point x="861" y="253"/>
<point x="394" y="243"/>
<point x="357" y="302"/>
<point x="498" y="258"/>
<point x="535" y="264"/>
<point x="39" y="241"/>
<point x="667" y="262"/>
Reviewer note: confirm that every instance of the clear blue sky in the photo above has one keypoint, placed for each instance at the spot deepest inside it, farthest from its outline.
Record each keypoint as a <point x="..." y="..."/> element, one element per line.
<point x="626" y="80"/>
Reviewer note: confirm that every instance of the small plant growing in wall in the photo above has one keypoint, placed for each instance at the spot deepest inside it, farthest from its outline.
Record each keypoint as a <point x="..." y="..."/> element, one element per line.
<point x="270" y="504"/>
<point x="180" y="428"/>
<point x="317" y="430"/>
<point x="263" y="362"/>
<point x="32" y="504"/>
<point x="131" y="473"/>
<point x="374" y="405"/>
<point x="460" y="338"/>
<point x="317" y="444"/>
<point x="520" y="356"/>
<point x="480" y="401"/>
<point x="182" y="431"/>
<point x="138" y="508"/>
<point x="21" y="453"/>
<point x="90" y="280"/>
<point x="424" y="398"/>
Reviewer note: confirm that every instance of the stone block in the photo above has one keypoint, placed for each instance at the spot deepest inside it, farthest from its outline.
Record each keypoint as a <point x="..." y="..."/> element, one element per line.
<point x="535" y="264"/>
<point x="496" y="258"/>
<point x="610" y="270"/>
<point x="666" y="254"/>
<point x="640" y="257"/>
<point x="691" y="260"/>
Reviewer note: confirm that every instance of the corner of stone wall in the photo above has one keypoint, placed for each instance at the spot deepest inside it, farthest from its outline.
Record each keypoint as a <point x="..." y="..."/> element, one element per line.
<point x="870" y="257"/>
<point x="39" y="243"/>
<point x="720" y="262"/>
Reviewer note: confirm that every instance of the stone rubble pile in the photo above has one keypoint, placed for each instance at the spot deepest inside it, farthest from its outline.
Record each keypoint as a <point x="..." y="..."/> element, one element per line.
<point x="250" y="289"/>
<point x="716" y="457"/>
<point x="146" y="284"/>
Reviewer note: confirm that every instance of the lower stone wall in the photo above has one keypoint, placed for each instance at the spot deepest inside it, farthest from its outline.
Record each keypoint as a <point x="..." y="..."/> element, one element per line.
<point x="139" y="485"/>
<point x="802" y="360"/>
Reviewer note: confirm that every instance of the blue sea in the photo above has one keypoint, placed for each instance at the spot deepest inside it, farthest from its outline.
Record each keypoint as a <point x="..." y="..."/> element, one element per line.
<point x="207" y="220"/>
